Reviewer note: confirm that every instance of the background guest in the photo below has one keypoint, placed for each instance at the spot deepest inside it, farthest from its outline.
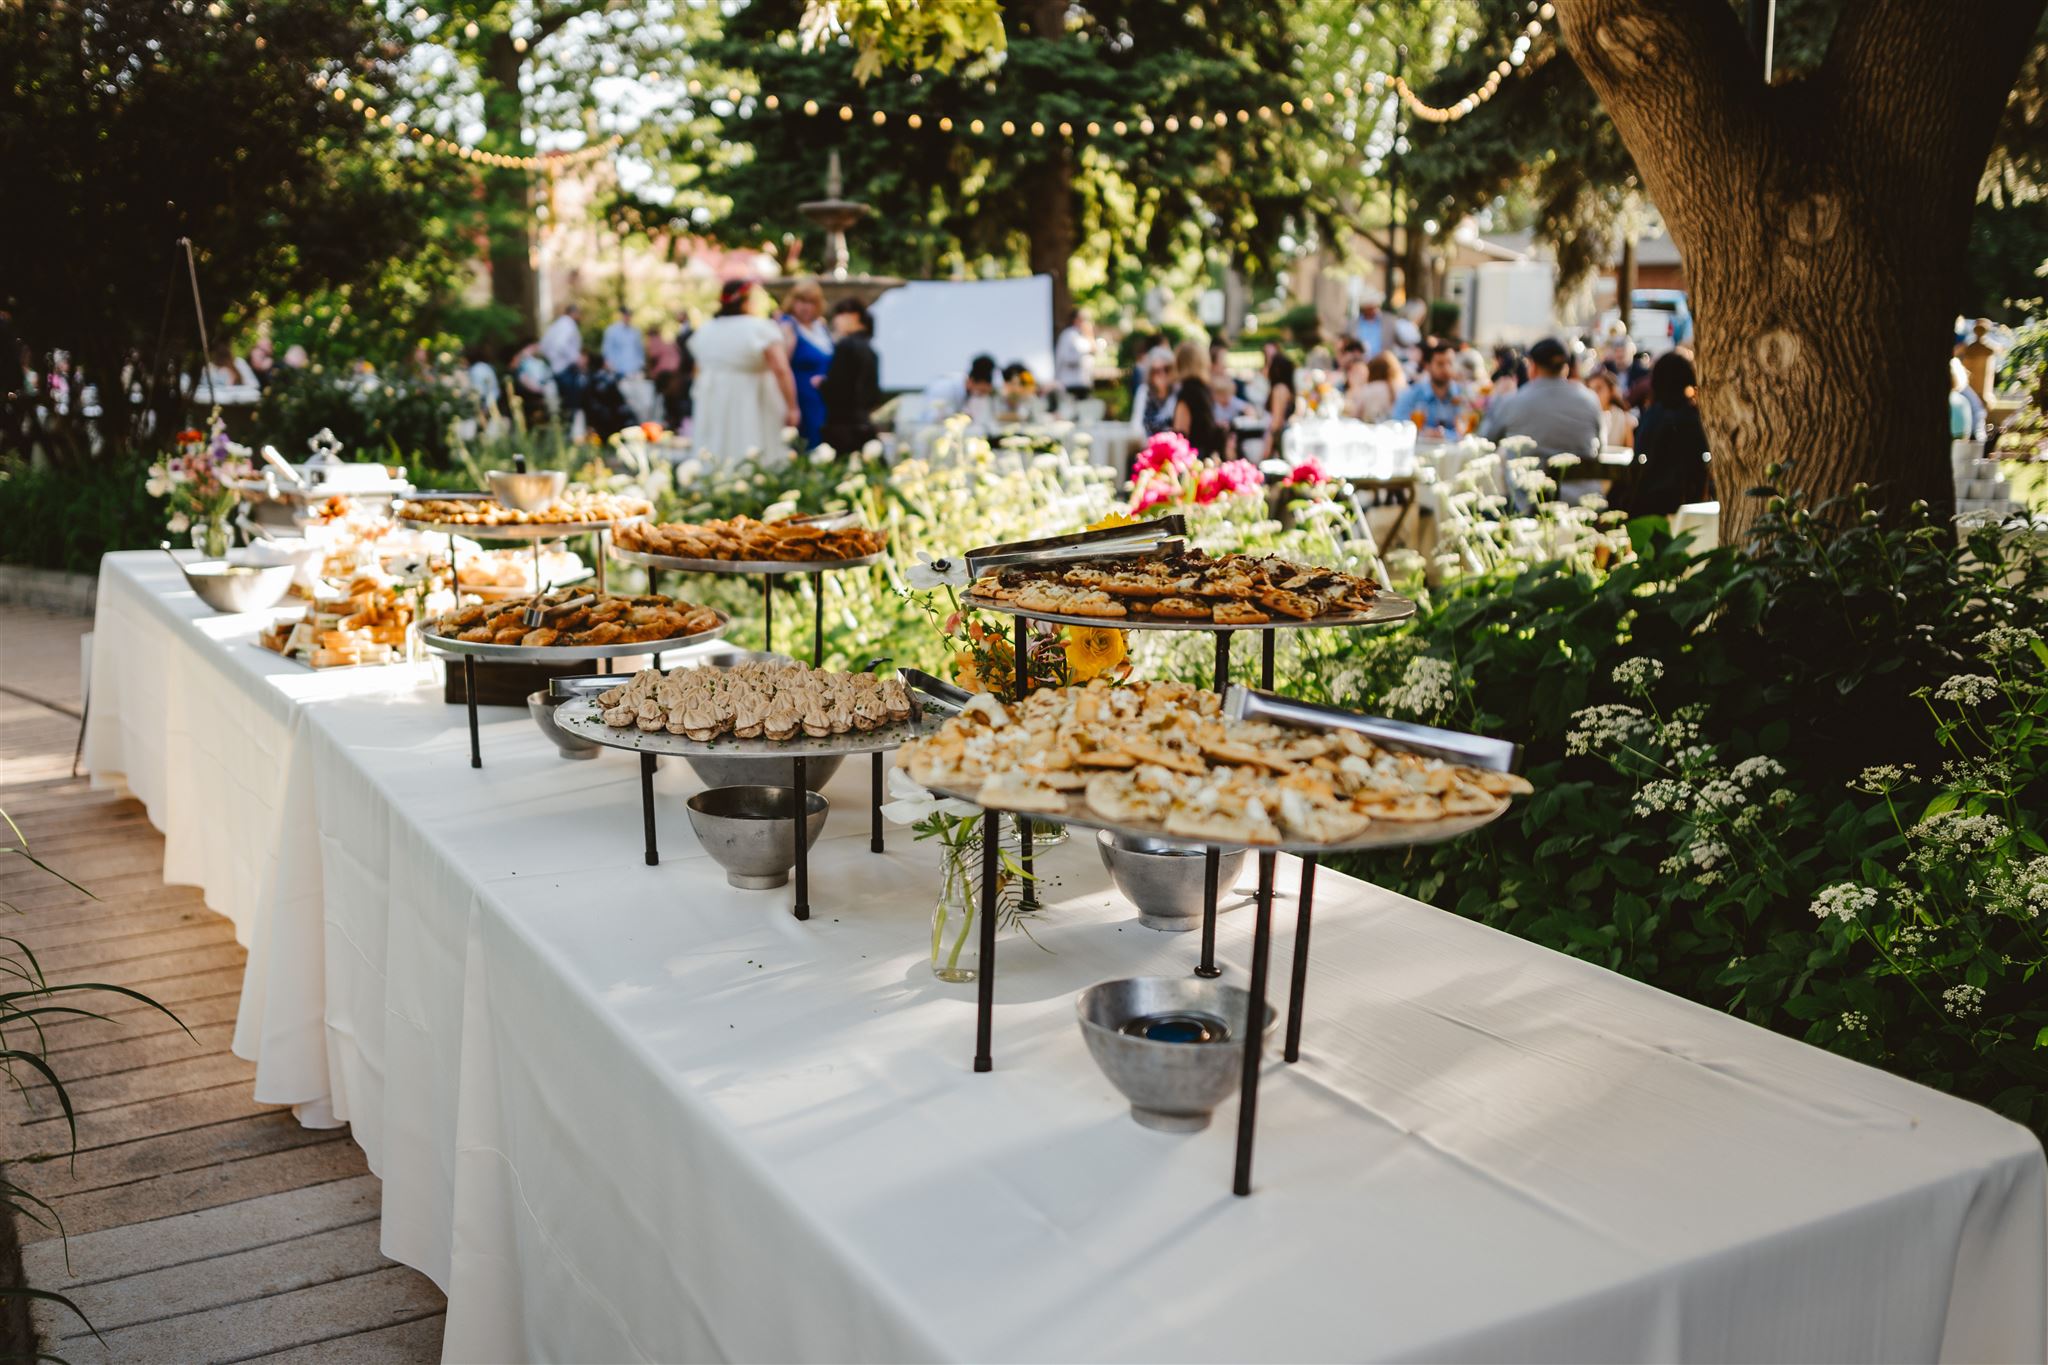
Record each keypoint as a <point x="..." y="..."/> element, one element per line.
<point x="745" y="393"/>
<point x="808" y="343"/>
<point x="1280" y="396"/>
<point x="1073" y="356"/>
<point x="1194" y="409"/>
<point x="1373" y="387"/>
<point x="853" y="381"/>
<point x="1561" y="417"/>
<point x="624" y="353"/>
<point x="562" y="347"/>
<point x="1674" y="468"/>
<point x="1435" y="402"/>
<point x="1617" y="423"/>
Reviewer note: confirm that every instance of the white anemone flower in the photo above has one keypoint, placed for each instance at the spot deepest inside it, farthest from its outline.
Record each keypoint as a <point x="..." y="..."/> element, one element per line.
<point x="929" y="573"/>
<point x="914" y="804"/>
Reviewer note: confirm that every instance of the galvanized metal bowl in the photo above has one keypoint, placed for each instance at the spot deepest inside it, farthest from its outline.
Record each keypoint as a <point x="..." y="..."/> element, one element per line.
<point x="541" y="706"/>
<point x="236" y="587"/>
<point x="1172" y="1086"/>
<point x="1167" y="881"/>
<point x="527" y="492"/>
<point x="750" y="831"/>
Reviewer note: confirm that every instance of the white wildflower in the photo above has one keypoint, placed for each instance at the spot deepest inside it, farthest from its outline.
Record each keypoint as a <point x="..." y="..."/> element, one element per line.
<point x="1664" y="794"/>
<point x="177" y="523"/>
<point x="1672" y="866"/>
<point x="1757" y="769"/>
<point x="1718" y="794"/>
<point x="1963" y="1001"/>
<point x="928" y="573"/>
<point x="2017" y="889"/>
<point x="2005" y="640"/>
<point x="1953" y="836"/>
<point x="1427" y="688"/>
<point x="1967" y="689"/>
<point x="1603" y="727"/>
<point x="1708" y="852"/>
<point x="1854" y="1021"/>
<point x="1881" y="778"/>
<point x="1844" y="901"/>
<point x="1640" y="673"/>
<point x="1783" y="796"/>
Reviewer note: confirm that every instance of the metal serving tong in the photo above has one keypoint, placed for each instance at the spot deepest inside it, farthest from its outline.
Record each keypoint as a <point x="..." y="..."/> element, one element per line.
<point x="536" y="614"/>
<point x="1453" y="746"/>
<point x="1165" y="536"/>
<point x="942" y="697"/>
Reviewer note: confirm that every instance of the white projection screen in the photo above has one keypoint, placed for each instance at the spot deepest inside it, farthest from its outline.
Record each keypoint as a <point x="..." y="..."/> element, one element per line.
<point x="928" y="330"/>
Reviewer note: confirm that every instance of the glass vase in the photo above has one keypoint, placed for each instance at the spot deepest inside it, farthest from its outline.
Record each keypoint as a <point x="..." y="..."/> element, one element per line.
<point x="211" y="537"/>
<point x="956" y="918"/>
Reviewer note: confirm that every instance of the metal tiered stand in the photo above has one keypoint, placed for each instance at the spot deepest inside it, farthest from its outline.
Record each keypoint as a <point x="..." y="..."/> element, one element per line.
<point x="1146" y="538"/>
<point x="580" y="717"/>
<point x="533" y="531"/>
<point x="768" y="570"/>
<point x="1244" y="703"/>
<point x="469" y="652"/>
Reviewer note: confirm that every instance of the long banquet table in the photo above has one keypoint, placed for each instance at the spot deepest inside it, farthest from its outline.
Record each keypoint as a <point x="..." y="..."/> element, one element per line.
<point x="625" y="1112"/>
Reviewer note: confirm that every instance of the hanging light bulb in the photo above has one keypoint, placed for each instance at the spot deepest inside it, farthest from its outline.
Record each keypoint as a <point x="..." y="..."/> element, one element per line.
<point x="880" y="118"/>
<point x="846" y="113"/>
<point x="915" y="121"/>
<point x="810" y="106"/>
<point x="1037" y="128"/>
<point x="772" y="102"/>
<point x="975" y="126"/>
<point x="945" y="125"/>
<point x="1172" y="124"/>
<point x="1119" y="127"/>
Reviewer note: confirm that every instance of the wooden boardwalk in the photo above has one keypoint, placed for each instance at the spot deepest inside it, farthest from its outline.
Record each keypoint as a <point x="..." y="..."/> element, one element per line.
<point x="202" y="1226"/>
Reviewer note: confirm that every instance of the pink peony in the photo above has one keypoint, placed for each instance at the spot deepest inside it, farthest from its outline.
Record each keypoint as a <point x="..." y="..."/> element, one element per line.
<point x="1168" y="452"/>
<point x="1233" y="478"/>
<point x="1151" y="493"/>
<point x="1309" y="470"/>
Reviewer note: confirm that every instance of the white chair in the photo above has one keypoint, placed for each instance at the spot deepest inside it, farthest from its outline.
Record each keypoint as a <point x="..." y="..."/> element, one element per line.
<point x="1698" y="522"/>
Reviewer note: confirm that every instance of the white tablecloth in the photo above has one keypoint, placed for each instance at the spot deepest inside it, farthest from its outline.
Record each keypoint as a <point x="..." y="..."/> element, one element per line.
<point x="626" y="1113"/>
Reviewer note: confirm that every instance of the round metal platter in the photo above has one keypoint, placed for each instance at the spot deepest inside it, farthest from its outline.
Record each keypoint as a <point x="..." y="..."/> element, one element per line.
<point x="741" y="566"/>
<point x="501" y="594"/>
<point x="569" y="654"/>
<point x="521" y="530"/>
<point x="1386" y="608"/>
<point x="580" y="718"/>
<point x="1381" y="834"/>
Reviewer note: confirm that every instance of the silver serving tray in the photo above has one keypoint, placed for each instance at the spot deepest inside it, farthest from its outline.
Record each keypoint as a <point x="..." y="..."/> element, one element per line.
<point x="1134" y="538"/>
<point x="311" y="667"/>
<point x="531" y="530"/>
<point x="504" y="594"/>
<point x="569" y="654"/>
<point x="742" y="566"/>
<point x="580" y="718"/>
<point x="1381" y="834"/>
<point x="1386" y="608"/>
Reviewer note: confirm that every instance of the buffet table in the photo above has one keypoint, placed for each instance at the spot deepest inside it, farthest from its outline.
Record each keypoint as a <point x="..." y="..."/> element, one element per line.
<point x="627" y="1112"/>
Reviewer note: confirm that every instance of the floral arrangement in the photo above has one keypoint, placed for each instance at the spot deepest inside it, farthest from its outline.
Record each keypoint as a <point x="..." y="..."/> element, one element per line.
<point x="197" y="483"/>
<point x="1167" y="474"/>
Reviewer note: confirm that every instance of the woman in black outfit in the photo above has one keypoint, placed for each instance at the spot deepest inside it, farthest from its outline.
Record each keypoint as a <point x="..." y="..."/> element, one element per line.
<point x="852" y="387"/>
<point x="1194" y="407"/>
<point x="1674" y="468"/>
<point x="1280" y="396"/>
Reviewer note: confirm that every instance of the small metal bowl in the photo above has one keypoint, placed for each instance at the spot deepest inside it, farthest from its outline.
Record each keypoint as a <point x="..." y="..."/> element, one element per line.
<point x="236" y="587"/>
<point x="1173" y="1086"/>
<point x="541" y="706"/>
<point x="760" y="770"/>
<point x="750" y="831"/>
<point x="1167" y="881"/>
<point x="527" y="492"/>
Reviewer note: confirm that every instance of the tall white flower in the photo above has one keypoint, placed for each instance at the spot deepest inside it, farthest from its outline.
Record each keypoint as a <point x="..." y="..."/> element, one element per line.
<point x="1844" y="901"/>
<point x="929" y="573"/>
<point x="1640" y="673"/>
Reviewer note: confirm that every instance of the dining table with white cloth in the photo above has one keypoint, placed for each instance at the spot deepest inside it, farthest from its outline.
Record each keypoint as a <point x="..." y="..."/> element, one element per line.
<point x="627" y="1112"/>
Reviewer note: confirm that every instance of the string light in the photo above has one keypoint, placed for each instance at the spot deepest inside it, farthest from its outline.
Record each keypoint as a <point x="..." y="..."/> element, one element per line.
<point x="1517" y="58"/>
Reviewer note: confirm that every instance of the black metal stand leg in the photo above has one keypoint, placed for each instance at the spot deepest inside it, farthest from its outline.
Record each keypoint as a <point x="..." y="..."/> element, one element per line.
<point x="817" y="620"/>
<point x="602" y="544"/>
<point x="1300" y="981"/>
<point x="476" y="752"/>
<point x="1020" y="670"/>
<point x="1223" y="661"/>
<point x="985" y="977"/>
<point x="1211" y="893"/>
<point x="1268" y="642"/>
<point x="1255" y="1022"/>
<point x="803" y="854"/>
<point x="647" y="806"/>
<point x="767" y="613"/>
<point x="875" y="803"/>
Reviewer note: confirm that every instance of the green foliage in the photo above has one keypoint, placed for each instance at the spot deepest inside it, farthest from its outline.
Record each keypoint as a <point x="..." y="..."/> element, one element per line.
<point x="1685" y="841"/>
<point x="67" y="518"/>
<point x="126" y="126"/>
<point x="957" y="199"/>
<point x="393" y="419"/>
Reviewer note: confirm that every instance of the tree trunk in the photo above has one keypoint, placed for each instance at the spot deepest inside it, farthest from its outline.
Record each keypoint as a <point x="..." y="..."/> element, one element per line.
<point x="1822" y="221"/>
<point x="1050" y="227"/>
<point x="509" y="208"/>
<point x="1625" y="283"/>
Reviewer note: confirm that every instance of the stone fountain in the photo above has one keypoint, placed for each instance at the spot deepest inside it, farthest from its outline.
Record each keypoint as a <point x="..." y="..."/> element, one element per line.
<point x="835" y="215"/>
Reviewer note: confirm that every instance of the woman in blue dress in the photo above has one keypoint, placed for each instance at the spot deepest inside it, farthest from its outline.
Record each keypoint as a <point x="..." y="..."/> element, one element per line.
<point x="810" y="354"/>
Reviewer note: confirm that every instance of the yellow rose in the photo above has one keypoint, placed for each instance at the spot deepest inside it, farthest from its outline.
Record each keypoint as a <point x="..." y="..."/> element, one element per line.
<point x="1092" y="651"/>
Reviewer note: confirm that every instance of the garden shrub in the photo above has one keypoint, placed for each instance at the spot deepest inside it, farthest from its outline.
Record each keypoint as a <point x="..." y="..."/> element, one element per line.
<point x="67" y="517"/>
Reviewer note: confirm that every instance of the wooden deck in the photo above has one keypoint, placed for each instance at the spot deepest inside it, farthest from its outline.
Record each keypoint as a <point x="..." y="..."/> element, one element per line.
<point x="202" y="1226"/>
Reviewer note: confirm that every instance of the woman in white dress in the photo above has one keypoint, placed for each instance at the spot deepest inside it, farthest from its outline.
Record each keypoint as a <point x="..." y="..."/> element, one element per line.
<point x="745" y="395"/>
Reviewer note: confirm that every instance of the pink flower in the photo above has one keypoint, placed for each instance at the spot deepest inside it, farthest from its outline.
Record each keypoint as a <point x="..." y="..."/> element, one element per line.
<point x="1151" y="493"/>
<point x="1234" y="478"/>
<point x="1309" y="470"/>
<point x="1168" y="452"/>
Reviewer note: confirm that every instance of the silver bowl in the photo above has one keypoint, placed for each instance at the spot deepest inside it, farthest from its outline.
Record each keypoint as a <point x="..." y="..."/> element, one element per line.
<point x="541" y="706"/>
<point x="527" y="492"/>
<point x="758" y="770"/>
<point x="236" y="587"/>
<point x="1164" y="879"/>
<point x="1172" y="1086"/>
<point x="749" y="831"/>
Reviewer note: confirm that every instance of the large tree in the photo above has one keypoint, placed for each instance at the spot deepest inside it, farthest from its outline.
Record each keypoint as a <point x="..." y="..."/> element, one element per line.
<point x="128" y="124"/>
<point x="1154" y="191"/>
<point x="1824" y="219"/>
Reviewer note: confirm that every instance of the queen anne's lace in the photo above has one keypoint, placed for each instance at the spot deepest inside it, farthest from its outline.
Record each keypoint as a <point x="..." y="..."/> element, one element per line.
<point x="1844" y="901"/>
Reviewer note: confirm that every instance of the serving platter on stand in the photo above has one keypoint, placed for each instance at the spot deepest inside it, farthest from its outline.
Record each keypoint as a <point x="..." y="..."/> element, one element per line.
<point x="768" y="570"/>
<point x="470" y="651"/>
